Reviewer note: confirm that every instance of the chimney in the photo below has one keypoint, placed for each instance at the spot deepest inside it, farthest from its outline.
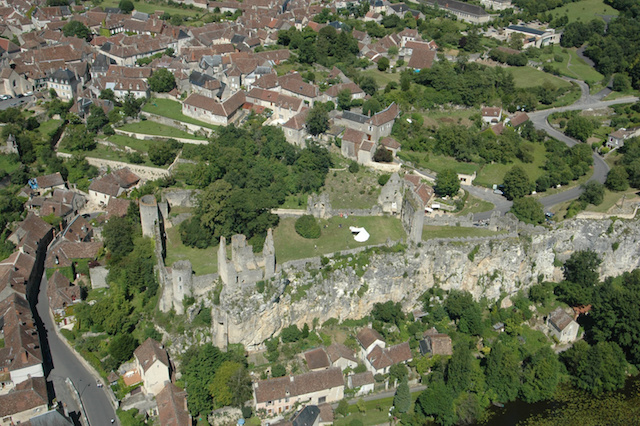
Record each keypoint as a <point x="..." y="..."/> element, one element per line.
<point x="24" y="356"/>
<point x="291" y="379"/>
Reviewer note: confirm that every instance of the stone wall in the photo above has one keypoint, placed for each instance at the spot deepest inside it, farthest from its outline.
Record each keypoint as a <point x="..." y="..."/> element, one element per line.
<point x="145" y="172"/>
<point x="146" y="137"/>
<point x="178" y="124"/>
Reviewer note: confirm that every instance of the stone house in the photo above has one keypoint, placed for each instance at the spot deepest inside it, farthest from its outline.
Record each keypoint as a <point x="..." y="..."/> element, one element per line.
<point x="616" y="139"/>
<point x="368" y="338"/>
<point x="112" y="185"/>
<point x="313" y="415"/>
<point x="78" y="231"/>
<point x="317" y="359"/>
<point x="342" y="356"/>
<point x="284" y="107"/>
<point x="42" y="184"/>
<point x="295" y="130"/>
<point x="381" y="359"/>
<point x="211" y="111"/>
<point x="364" y="382"/>
<point x="152" y="363"/>
<point x="562" y="326"/>
<point x="375" y="127"/>
<point x="172" y="406"/>
<point x="391" y="145"/>
<point x="356" y="147"/>
<point x="12" y="83"/>
<point x="65" y="83"/>
<point x="463" y="11"/>
<point x="281" y="394"/>
<point x="421" y="58"/>
<point x="435" y="343"/>
<point x="122" y="86"/>
<point x="331" y="94"/>
<point x="294" y="85"/>
<point x="25" y="401"/>
<point x="491" y="115"/>
<point x="62" y="294"/>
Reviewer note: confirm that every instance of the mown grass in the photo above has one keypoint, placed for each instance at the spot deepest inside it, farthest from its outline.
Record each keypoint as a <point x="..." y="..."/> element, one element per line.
<point x="577" y="68"/>
<point x="148" y="7"/>
<point x="149" y="127"/>
<point x="527" y="77"/>
<point x="584" y="10"/>
<point x="9" y="163"/>
<point x="430" y="232"/>
<point x="335" y="236"/>
<point x="491" y="174"/>
<point x="475" y="205"/>
<point x="203" y="261"/>
<point x="48" y="127"/>
<point x="611" y="198"/>
<point x="382" y="78"/>
<point x="376" y="412"/>
<point x="172" y="109"/>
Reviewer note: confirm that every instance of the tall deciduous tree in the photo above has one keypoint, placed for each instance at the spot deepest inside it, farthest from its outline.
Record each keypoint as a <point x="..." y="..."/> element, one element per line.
<point x="528" y="210"/>
<point x="437" y="401"/>
<point x="516" y="183"/>
<point x="317" y="120"/>
<point x="503" y="371"/>
<point x="447" y="183"/>
<point x="76" y="29"/>
<point x="540" y="376"/>
<point x="402" y="399"/>
<point x="162" y="80"/>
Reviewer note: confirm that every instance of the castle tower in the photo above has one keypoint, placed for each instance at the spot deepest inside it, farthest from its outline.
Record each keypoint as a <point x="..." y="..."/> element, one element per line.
<point x="148" y="215"/>
<point x="269" y="254"/>
<point x="182" y="280"/>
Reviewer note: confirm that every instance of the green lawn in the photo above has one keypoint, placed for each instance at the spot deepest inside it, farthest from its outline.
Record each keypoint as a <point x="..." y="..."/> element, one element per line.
<point x="290" y="245"/>
<point x="439" y="118"/>
<point x="429" y="232"/>
<point x="610" y="199"/>
<point x="148" y="7"/>
<point x="295" y="202"/>
<point x="48" y="127"/>
<point x="527" y="77"/>
<point x="376" y="412"/>
<point x="584" y="10"/>
<point x="578" y="68"/>
<point x="494" y="173"/>
<point x="475" y="205"/>
<point x="203" y="261"/>
<point x="149" y="127"/>
<point x="9" y="163"/>
<point x="172" y="109"/>
<point x="382" y="78"/>
<point x="437" y="163"/>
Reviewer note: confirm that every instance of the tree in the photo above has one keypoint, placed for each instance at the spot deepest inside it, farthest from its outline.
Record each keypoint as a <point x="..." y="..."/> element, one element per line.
<point x="368" y="85"/>
<point x="598" y="368"/>
<point x="540" y="376"/>
<point x="221" y="393"/>
<point x="617" y="179"/>
<point x="582" y="268"/>
<point x="383" y="64"/>
<point x="290" y="334"/>
<point x="371" y="106"/>
<point x="528" y="210"/>
<point x="354" y="167"/>
<point x="459" y="368"/>
<point x="161" y="81"/>
<point x="97" y="120"/>
<point x="460" y="306"/>
<point x="343" y="408"/>
<point x="344" y="100"/>
<point x="388" y="312"/>
<point x="398" y="372"/>
<point x="118" y="236"/>
<point x="383" y="155"/>
<point x="126" y="6"/>
<point x="76" y="29"/>
<point x="402" y="398"/>
<point x="307" y="227"/>
<point x="516" y="183"/>
<point x="437" y="401"/>
<point x="621" y="83"/>
<point x="580" y="128"/>
<point x="447" y="183"/>
<point x="131" y="105"/>
<point x="503" y="371"/>
<point x="317" y="120"/>
<point x="593" y="193"/>
<point x="121" y="347"/>
<point x="161" y="154"/>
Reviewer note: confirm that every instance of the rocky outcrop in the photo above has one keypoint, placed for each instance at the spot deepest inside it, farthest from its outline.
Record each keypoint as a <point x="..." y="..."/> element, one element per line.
<point x="349" y="285"/>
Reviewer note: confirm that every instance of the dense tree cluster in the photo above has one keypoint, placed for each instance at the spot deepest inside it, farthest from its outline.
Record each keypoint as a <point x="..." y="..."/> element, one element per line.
<point x="244" y="173"/>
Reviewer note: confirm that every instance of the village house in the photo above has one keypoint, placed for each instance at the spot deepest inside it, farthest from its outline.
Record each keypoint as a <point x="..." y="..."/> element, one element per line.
<point x="24" y="401"/>
<point x="62" y="294"/>
<point x="616" y="139"/>
<point x="369" y="339"/>
<point x="12" y="83"/>
<point x="562" y="326"/>
<point x="381" y="359"/>
<point x="112" y="185"/>
<point x="463" y="11"/>
<point x="65" y="83"/>
<point x="375" y="127"/>
<point x="78" y="230"/>
<point x="284" y="107"/>
<point x="314" y="415"/>
<point x="279" y="395"/>
<point x="294" y="85"/>
<point x="435" y="343"/>
<point x="295" y="130"/>
<point x="152" y="363"/>
<point x="66" y="253"/>
<point x="363" y="382"/>
<point x="122" y="86"/>
<point x="342" y="356"/>
<point x="172" y="406"/>
<point x="43" y="184"/>
<point x="211" y="111"/>
<point x="317" y="359"/>
<point x="425" y="193"/>
<point x="491" y="115"/>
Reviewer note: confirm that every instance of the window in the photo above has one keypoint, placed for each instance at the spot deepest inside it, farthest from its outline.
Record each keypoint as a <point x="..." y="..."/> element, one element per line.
<point x="322" y="400"/>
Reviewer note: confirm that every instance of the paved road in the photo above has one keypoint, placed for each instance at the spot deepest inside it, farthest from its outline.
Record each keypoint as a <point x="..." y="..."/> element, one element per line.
<point x="65" y="364"/>
<point x="600" y="167"/>
<point x="15" y="102"/>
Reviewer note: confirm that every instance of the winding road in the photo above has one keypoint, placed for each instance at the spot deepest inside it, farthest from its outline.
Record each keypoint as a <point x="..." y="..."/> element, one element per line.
<point x="65" y="364"/>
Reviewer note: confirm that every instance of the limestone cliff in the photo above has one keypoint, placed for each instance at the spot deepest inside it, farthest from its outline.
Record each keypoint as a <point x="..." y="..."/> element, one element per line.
<point x="484" y="267"/>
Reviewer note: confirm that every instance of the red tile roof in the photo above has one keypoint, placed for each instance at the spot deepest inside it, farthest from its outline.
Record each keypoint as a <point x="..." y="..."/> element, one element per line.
<point x="283" y="387"/>
<point x="150" y="351"/>
<point x="172" y="406"/>
<point x="317" y="358"/>
<point x="367" y="336"/>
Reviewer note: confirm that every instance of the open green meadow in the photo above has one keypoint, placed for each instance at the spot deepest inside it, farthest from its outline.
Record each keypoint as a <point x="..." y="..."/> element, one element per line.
<point x="575" y="68"/>
<point x="382" y="78"/>
<point x="584" y="10"/>
<point x="335" y="236"/>
<point x="527" y="77"/>
<point x="351" y="190"/>
<point x="203" y="261"/>
<point x="149" y="127"/>
<point x="494" y="173"/>
<point x="149" y="7"/>
<point x="437" y="163"/>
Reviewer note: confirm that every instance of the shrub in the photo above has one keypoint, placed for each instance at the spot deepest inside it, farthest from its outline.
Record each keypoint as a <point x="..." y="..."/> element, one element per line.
<point x="383" y="179"/>
<point x="354" y="167"/>
<point x="307" y="227"/>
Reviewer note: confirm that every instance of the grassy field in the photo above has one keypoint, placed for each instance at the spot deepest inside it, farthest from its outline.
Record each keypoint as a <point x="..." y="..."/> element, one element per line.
<point x="584" y="10"/>
<point x="48" y="127"/>
<point x="290" y="245"/>
<point x="382" y="78"/>
<point x="203" y="261"/>
<point x="172" y="109"/>
<point x="149" y="127"/>
<point x="352" y="191"/>
<point x="437" y="163"/>
<point x="577" y="68"/>
<point x="376" y="412"/>
<point x="610" y="199"/>
<point x="439" y="118"/>
<point x="295" y="202"/>
<point x="8" y="163"/>
<point x="429" y="232"/>
<point x="146" y="7"/>
<point x="494" y="173"/>
<point x="527" y="77"/>
<point x="475" y="205"/>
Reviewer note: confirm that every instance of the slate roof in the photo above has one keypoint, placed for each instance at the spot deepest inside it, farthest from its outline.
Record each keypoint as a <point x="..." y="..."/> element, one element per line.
<point x="438" y="343"/>
<point x="307" y="416"/>
<point x="150" y="351"/>
<point x="354" y="116"/>
<point x="283" y="387"/>
<point x="459" y="6"/>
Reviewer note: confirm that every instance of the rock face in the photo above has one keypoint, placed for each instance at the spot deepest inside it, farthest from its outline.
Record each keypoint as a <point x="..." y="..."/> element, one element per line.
<point x="349" y="286"/>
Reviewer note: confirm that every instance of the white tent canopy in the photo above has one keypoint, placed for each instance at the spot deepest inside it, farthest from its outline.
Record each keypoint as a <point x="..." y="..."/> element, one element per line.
<point x="359" y="234"/>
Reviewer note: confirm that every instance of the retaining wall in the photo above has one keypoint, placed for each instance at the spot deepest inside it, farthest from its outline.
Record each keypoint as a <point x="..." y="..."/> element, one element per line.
<point x="146" y="137"/>
<point x="177" y="123"/>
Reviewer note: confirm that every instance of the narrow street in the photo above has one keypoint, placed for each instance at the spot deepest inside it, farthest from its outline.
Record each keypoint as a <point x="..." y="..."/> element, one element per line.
<point x="65" y="365"/>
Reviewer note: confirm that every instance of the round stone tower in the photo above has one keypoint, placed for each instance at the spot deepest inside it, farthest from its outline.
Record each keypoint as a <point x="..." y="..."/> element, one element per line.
<point x="148" y="214"/>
